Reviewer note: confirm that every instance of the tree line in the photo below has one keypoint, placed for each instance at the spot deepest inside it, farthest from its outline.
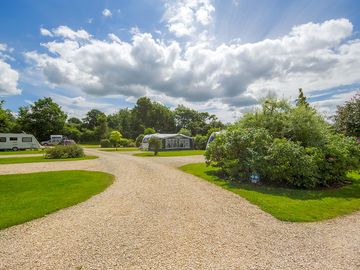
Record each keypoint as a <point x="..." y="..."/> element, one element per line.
<point x="45" y="117"/>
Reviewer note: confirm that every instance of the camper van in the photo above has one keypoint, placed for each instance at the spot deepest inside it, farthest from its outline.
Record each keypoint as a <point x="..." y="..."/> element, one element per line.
<point x="54" y="140"/>
<point x="18" y="141"/>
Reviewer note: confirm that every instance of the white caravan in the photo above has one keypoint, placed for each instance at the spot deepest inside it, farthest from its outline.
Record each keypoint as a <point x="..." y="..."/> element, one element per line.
<point x="18" y="141"/>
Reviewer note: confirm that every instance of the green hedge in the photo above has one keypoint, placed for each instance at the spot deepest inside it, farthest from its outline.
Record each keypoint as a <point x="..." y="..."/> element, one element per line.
<point x="64" y="151"/>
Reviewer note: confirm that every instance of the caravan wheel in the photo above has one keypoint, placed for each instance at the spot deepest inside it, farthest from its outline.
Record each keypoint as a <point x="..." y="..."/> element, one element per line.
<point x="15" y="149"/>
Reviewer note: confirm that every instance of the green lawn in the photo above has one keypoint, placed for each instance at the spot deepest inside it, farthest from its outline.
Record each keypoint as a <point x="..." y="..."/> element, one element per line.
<point x="14" y="160"/>
<point x="24" y="197"/>
<point x="172" y="153"/>
<point x="26" y="152"/>
<point x="124" y="149"/>
<point x="90" y="145"/>
<point x="289" y="204"/>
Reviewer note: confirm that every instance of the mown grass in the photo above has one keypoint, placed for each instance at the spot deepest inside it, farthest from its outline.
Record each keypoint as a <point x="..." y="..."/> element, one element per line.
<point x="171" y="153"/>
<point x="289" y="204"/>
<point x="15" y="160"/>
<point x="120" y="149"/>
<point x="24" y="197"/>
<point x="24" y="152"/>
<point x="90" y="145"/>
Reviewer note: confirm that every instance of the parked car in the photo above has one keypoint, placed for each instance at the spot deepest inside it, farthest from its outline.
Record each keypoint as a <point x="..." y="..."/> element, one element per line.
<point x="66" y="142"/>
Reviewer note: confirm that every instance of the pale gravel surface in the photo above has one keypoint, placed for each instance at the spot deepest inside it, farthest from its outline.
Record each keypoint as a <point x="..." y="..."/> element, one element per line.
<point x="157" y="217"/>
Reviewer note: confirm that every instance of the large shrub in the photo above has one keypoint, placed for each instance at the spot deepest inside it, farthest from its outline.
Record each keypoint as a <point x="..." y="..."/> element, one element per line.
<point x="126" y="142"/>
<point x="200" y="142"/>
<point x="139" y="140"/>
<point x="285" y="145"/>
<point x="105" y="143"/>
<point x="64" y="151"/>
<point x="288" y="163"/>
<point x="240" y="151"/>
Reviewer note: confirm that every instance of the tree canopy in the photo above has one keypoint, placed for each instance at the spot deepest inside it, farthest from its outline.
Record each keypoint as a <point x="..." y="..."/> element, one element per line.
<point x="347" y="118"/>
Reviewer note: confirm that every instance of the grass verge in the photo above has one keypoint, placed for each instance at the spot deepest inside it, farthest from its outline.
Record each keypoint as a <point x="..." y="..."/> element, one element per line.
<point x="24" y="197"/>
<point x="15" y="160"/>
<point x="90" y="145"/>
<point x="125" y="149"/>
<point x="289" y="204"/>
<point x="172" y="153"/>
<point x="25" y="152"/>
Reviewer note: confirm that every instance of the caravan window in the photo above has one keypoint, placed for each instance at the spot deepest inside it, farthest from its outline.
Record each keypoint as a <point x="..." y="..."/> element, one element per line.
<point x="2" y="139"/>
<point x="26" y="139"/>
<point x="13" y="138"/>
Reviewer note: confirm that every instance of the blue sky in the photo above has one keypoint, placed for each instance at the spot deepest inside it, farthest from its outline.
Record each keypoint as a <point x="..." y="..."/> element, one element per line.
<point x="219" y="56"/>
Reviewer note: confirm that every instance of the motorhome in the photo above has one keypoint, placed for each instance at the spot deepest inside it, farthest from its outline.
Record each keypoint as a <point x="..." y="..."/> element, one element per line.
<point x="18" y="141"/>
<point x="54" y="140"/>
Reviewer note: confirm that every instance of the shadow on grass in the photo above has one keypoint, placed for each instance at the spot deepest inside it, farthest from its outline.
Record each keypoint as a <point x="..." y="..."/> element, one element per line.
<point x="349" y="191"/>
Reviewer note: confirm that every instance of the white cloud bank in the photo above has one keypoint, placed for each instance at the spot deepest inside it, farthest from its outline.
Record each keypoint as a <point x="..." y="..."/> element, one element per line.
<point x="8" y="76"/>
<point x="313" y="56"/>
<point x="187" y="17"/>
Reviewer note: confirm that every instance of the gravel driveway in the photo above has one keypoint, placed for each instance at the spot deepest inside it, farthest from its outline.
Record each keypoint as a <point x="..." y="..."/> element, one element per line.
<point x="157" y="217"/>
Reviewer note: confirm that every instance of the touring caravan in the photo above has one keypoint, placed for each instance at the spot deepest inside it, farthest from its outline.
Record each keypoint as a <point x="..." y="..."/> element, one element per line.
<point x="18" y="141"/>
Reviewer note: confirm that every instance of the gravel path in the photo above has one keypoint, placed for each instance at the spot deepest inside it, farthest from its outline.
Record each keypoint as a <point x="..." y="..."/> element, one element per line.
<point x="157" y="217"/>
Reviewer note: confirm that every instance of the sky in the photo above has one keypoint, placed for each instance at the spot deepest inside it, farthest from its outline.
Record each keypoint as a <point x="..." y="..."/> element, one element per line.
<point x="217" y="56"/>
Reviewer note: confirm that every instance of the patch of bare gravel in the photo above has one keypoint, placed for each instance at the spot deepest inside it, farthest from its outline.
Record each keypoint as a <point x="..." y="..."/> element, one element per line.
<point x="157" y="217"/>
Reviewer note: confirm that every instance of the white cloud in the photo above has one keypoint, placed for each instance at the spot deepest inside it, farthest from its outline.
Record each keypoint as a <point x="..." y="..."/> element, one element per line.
<point x="68" y="33"/>
<point x="328" y="107"/>
<point x="188" y="17"/>
<point x="312" y="56"/>
<point x="9" y="77"/>
<point x="45" y="32"/>
<point x="106" y="13"/>
<point x="78" y="106"/>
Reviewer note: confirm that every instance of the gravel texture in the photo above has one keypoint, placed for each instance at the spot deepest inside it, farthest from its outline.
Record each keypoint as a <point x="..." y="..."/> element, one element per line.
<point x="157" y="217"/>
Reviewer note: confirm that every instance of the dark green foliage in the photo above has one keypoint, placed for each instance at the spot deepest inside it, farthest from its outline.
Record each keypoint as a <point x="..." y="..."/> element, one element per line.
<point x="126" y="143"/>
<point x="42" y="118"/>
<point x="200" y="142"/>
<point x="347" y="118"/>
<point x="72" y="132"/>
<point x="285" y="145"/>
<point x="196" y="122"/>
<point x="105" y="143"/>
<point x="64" y="151"/>
<point x="139" y="139"/>
<point x="7" y="120"/>
<point x="154" y="145"/>
<point x="288" y="163"/>
<point x="301" y="100"/>
<point x="93" y="119"/>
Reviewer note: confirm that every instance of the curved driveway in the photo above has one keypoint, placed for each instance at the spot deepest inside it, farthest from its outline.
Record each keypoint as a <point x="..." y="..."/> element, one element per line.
<point x="157" y="217"/>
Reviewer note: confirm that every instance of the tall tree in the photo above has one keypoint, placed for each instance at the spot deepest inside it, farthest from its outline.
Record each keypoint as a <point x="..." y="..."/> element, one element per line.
<point x="123" y="121"/>
<point x="152" y="114"/>
<point x="347" y="118"/>
<point x="7" y="120"/>
<point x="302" y="100"/>
<point x="91" y="120"/>
<point x="196" y="122"/>
<point x="42" y="118"/>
